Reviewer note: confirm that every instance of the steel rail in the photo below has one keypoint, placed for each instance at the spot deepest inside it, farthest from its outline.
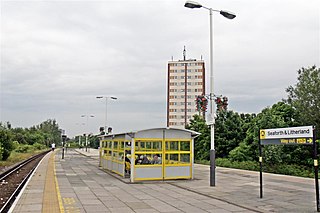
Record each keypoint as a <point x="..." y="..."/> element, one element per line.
<point x="6" y="206"/>
<point x="19" y="165"/>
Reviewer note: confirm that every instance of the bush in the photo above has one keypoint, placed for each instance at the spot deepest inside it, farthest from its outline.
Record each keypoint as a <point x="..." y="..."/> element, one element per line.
<point x="5" y="143"/>
<point x="204" y="162"/>
<point x="24" y="148"/>
<point x="1" y="151"/>
<point x="73" y="145"/>
<point x="38" y="146"/>
<point x="240" y="153"/>
<point x="5" y="154"/>
<point x="294" y="170"/>
<point x="15" y="144"/>
<point x="246" y="165"/>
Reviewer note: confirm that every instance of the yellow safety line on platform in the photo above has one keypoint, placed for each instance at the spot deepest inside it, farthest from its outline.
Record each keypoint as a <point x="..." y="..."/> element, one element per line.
<point x="51" y="193"/>
<point x="57" y="187"/>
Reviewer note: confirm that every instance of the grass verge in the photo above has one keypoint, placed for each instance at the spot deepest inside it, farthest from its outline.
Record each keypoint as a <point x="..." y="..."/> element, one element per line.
<point x="16" y="157"/>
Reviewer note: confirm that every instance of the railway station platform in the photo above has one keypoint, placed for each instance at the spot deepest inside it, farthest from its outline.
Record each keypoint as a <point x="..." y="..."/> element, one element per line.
<point x="77" y="184"/>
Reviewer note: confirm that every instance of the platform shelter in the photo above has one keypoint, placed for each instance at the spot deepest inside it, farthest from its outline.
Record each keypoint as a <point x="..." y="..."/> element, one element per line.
<point x="151" y="154"/>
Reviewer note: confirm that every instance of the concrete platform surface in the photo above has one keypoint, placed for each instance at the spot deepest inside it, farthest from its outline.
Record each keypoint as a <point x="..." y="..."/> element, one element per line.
<point x="79" y="185"/>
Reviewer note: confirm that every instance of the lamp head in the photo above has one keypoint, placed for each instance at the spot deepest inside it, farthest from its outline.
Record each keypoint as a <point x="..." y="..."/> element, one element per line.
<point x="114" y="98"/>
<point x="192" y="4"/>
<point x="99" y="97"/>
<point x="227" y="14"/>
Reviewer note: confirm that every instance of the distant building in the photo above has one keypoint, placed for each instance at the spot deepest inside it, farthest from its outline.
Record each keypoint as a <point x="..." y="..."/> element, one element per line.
<point x="186" y="80"/>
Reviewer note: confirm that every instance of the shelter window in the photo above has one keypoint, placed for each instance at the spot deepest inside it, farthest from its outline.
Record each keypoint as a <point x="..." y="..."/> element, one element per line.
<point x="145" y="151"/>
<point x="177" y="152"/>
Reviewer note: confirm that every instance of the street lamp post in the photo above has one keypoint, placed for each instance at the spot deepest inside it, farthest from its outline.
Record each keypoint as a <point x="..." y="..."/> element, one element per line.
<point x="80" y="134"/>
<point x="63" y="144"/>
<point x="106" y="97"/>
<point x="87" y="128"/>
<point x="229" y="15"/>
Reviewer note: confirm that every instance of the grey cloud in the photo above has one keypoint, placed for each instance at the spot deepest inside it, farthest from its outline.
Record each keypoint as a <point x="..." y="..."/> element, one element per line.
<point x="57" y="56"/>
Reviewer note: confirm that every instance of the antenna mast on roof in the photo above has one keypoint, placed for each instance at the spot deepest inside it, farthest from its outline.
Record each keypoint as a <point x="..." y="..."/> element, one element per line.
<point x="184" y="53"/>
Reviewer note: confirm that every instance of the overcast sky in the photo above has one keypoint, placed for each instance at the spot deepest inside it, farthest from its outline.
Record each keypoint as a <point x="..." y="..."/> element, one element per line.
<point x="57" y="56"/>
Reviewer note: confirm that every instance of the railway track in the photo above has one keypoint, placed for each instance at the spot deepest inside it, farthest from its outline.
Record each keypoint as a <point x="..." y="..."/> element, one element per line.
<point x="13" y="180"/>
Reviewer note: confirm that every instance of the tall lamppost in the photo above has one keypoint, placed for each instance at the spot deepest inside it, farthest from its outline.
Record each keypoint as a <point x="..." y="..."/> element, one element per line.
<point x="80" y="134"/>
<point x="63" y="138"/>
<point x="211" y="122"/>
<point x="87" y="128"/>
<point x="63" y="144"/>
<point x="106" y="97"/>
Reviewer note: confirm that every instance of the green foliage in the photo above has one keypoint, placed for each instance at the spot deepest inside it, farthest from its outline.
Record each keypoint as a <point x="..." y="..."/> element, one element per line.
<point x="24" y="148"/>
<point x="1" y="151"/>
<point x="228" y="132"/>
<point x="204" y="162"/>
<point x="81" y="141"/>
<point x="39" y="146"/>
<point x="19" y="134"/>
<point x="247" y="165"/>
<point x="300" y="155"/>
<point x="290" y="169"/>
<point x="5" y="142"/>
<point x="73" y="144"/>
<point x="15" y="144"/>
<point x="50" y="131"/>
<point x="237" y="136"/>
<point x="304" y="97"/>
<point x="278" y="116"/>
<point x="273" y="154"/>
<point x="94" y="142"/>
<point x="36" y="137"/>
<point x="241" y="153"/>
<point x="27" y="139"/>
<point x="202" y="142"/>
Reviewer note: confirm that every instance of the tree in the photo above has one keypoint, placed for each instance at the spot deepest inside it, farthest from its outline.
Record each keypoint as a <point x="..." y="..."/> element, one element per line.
<point x="278" y="116"/>
<point x="304" y="96"/>
<point x="5" y="142"/>
<point x="51" y="129"/>
<point x="228" y="132"/>
<point x="202" y="142"/>
<point x="44" y="134"/>
<point x="19" y="134"/>
<point x="94" y="141"/>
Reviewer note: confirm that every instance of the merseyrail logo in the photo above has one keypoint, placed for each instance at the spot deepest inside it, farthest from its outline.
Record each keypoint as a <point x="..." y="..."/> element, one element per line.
<point x="262" y="134"/>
